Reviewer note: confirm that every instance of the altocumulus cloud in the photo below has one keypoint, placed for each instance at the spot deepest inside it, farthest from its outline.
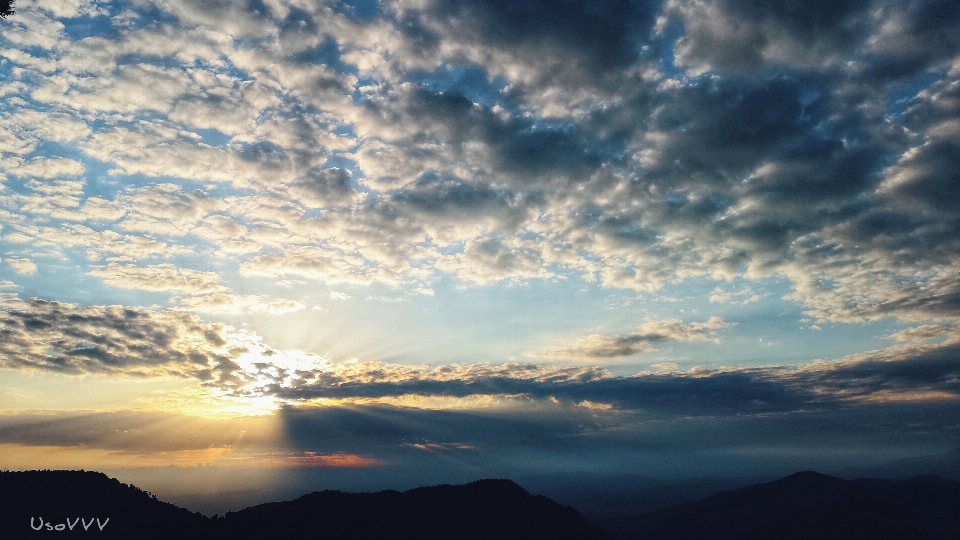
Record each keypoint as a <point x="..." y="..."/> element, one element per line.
<point x="508" y="143"/>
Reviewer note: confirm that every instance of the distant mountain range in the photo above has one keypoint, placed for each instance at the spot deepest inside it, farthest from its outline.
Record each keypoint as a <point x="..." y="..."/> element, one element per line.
<point x="945" y="465"/>
<point x="599" y="496"/>
<point x="100" y="507"/>
<point x="593" y="494"/>
<point x="807" y="505"/>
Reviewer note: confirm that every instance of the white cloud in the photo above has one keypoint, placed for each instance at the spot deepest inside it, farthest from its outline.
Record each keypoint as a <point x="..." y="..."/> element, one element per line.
<point x="22" y="266"/>
<point x="489" y="260"/>
<point x="597" y="346"/>
<point x="278" y="307"/>
<point x="232" y="304"/>
<point x="919" y="334"/>
<point x="160" y="278"/>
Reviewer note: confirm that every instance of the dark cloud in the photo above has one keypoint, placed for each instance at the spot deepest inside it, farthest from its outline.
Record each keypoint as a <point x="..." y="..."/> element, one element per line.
<point x="909" y="375"/>
<point x="725" y="393"/>
<point x="722" y="130"/>
<point x="602" y="35"/>
<point x="911" y="37"/>
<point x="744" y="36"/>
<point x="647" y="441"/>
<point x="932" y="370"/>
<point x="542" y="152"/>
<point x="325" y="187"/>
<point x="443" y="132"/>
<point x="44" y="336"/>
<point x="929" y="178"/>
<point x="422" y="38"/>
<point x="442" y="201"/>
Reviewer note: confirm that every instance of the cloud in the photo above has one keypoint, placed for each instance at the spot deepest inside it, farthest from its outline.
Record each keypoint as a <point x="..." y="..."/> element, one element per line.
<point x="919" y="334"/>
<point x="280" y="307"/>
<point x="745" y="36"/>
<point x="67" y="8"/>
<point x="629" y="144"/>
<point x="718" y="295"/>
<point x="44" y="336"/>
<point x="97" y="243"/>
<point x="913" y="37"/>
<point x="895" y="375"/>
<point x="230" y="237"/>
<point x="327" y="265"/>
<point x="22" y="266"/>
<point x="326" y="187"/>
<point x="604" y="35"/>
<point x="165" y="209"/>
<point x="160" y="278"/>
<point x="488" y="260"/>
<point x="231" y="304"/>
<point x="42" y="167"/>
<point x="596" y="346"/>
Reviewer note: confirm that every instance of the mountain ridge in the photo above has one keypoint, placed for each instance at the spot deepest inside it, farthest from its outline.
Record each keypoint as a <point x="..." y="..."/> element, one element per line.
<point x="807" y="504"/>
<point x="945" y="465"/>
<point x="478" y="510"/>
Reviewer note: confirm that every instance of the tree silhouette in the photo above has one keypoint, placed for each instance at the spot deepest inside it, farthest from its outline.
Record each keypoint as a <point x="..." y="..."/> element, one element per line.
<point x="6" y="8"/>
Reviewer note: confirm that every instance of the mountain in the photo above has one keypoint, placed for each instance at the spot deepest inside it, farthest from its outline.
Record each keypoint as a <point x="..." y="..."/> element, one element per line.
<point x="72" y="501"/>
<point x="480" y="510"/>
<point x="80" y="499"/>
<point x="808" y="505"/>
<point x="944" y="465"/>
<point x="593" y="494"/>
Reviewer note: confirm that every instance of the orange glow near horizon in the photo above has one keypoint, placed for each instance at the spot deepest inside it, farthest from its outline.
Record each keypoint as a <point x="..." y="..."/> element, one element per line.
<point x="17" y="457"/>
<point x="312" y="460"/>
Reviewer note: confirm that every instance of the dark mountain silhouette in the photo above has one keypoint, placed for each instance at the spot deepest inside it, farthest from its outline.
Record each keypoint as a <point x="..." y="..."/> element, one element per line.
<point x="944" y="465"/>
<point x="60" y="497"/>
<point x="480" y="510"/>
<point x="6" y="8"/>
<point x="803" y="505"/>
<point x="808" y="505"/>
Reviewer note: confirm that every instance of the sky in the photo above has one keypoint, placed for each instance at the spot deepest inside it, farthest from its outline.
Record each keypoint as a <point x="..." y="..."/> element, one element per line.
<point x="375" y="243"/>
